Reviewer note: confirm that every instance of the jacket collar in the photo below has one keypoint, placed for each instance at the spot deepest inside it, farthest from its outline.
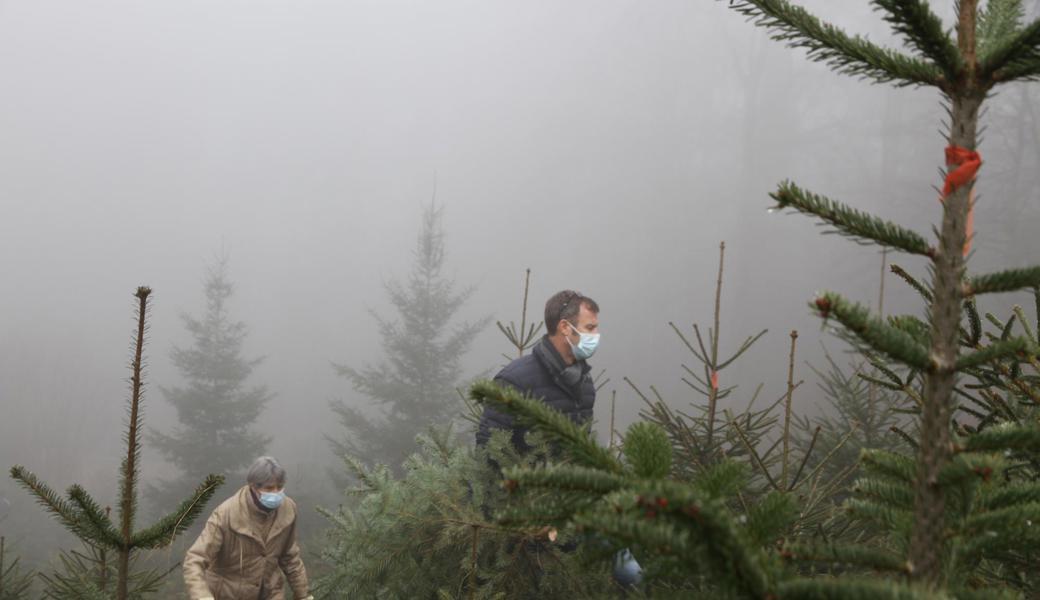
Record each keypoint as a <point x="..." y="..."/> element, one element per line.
<point x="567" y="377"/>
<point x="246" y="515"/>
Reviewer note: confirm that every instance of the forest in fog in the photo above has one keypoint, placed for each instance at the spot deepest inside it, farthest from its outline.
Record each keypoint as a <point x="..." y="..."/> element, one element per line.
<point x="349" y="216"/>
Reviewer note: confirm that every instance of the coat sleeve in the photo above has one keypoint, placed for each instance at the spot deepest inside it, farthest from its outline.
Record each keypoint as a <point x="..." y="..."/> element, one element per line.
<point x="292" y="566"/>
<point x="201" y="556"/>
<point x="491" y="419"/>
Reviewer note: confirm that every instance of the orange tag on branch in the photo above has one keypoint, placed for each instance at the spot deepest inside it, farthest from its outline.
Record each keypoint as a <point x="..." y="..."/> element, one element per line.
<point x="961" y="167"/>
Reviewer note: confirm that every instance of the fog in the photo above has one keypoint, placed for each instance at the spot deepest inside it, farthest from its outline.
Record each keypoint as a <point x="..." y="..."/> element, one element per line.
<point x="609" y="146"/>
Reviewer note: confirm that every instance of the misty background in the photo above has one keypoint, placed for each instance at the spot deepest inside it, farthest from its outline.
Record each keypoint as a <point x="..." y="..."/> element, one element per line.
<point x="609" y="146"/>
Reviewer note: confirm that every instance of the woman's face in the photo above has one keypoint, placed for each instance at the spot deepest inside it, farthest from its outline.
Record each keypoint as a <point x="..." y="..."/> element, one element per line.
<point x="269" y="487"/>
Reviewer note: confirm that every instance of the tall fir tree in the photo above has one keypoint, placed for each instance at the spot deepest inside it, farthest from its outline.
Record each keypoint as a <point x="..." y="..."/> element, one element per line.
<point x="216" y="407"/>
<point x="991" y="45"/>
<point x="416" y="385"/>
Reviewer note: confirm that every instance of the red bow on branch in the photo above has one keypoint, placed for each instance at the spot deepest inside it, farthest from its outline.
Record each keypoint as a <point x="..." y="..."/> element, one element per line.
<point x="961" y="166"/>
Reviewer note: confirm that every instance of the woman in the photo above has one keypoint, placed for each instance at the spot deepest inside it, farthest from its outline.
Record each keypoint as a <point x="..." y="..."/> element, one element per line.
<point x="248" y="543"/>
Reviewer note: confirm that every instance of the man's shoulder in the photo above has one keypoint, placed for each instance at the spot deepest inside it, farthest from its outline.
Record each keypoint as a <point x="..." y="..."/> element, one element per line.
<point x="521" y="370"/>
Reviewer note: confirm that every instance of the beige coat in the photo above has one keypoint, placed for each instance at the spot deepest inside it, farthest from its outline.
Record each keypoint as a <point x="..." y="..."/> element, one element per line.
<point x="233" y="560"/>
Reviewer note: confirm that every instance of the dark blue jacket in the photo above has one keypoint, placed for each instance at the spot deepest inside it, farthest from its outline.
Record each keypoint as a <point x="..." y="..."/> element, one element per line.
<point x="542" y="374"/>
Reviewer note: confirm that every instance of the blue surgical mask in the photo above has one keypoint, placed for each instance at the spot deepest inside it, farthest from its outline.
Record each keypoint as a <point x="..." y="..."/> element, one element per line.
<point x="586" y="345"/>
<point x="272" y="500"/>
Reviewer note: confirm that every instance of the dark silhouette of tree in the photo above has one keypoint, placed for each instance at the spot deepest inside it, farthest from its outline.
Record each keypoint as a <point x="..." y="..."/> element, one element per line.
<point x="216" y="408"/>
<point x="415" y="386"/>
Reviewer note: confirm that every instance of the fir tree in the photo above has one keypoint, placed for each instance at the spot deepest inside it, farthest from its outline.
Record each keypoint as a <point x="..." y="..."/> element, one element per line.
<point x="216" y="408"/>
<point x="14" y="584"/>
<point x="694" y="538"/>
<point x="86" y="573"/>
<point x="997" y="402"/>
<point x="859" y="415"/>
<point x="428" y="533"/>
<point x="526" y="335"/>
<point x="700" y="439"/>
<point x="742" y="433"/>
<point x="757" y="439"/>
<point x="958" y="518"/>
<point x="84" y="517"/>
<point x="700" y="539"/>
<point x="990" y="48"/>
<point x="415" y="386"/>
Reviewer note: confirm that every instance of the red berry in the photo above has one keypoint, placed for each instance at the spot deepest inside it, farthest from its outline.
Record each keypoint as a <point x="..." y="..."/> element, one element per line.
<point x="662" y="502"/>
<point x="984" y="472"/>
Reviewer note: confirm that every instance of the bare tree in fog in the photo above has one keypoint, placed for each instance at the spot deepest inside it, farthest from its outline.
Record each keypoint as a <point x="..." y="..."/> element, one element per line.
<point x="414" y="387"/>
<point x="215" y="407"/>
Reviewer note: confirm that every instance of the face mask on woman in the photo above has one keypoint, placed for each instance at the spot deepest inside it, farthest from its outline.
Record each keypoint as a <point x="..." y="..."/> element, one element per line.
<point x="271" y="500"/>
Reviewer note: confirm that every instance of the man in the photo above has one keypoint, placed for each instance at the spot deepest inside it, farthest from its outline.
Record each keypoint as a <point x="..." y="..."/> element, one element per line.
<point x="248" y="543"/>
<point x="555" y="371"/>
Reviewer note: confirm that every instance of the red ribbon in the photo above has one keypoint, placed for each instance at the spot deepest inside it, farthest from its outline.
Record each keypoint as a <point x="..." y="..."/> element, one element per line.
<point x="961" y="166"/>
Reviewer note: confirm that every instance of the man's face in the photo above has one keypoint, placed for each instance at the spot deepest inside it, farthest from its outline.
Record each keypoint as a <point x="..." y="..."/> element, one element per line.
<point x="586" y="322"/>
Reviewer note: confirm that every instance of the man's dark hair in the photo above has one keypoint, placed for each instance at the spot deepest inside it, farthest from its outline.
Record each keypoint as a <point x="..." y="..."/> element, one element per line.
<point x="566" y="305"/>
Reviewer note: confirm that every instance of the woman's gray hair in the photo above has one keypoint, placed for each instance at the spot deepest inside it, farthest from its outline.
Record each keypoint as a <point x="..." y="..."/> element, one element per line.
<point x="265" y="470"/>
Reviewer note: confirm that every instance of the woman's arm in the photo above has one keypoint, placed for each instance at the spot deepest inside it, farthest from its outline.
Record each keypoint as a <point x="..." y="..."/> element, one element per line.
<point x="292" y="566"/>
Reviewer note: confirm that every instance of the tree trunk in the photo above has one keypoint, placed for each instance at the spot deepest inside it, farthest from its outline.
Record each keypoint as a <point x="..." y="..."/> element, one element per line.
<point x="123" y="580"/>
<point x="128" y="500"/>
<point x="927" y="541"/>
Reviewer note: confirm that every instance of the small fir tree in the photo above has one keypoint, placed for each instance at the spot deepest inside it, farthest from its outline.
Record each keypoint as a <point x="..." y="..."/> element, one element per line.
<point x="85" y="518"/>
<point x="84" y="574"/>
<point x="216" y="408"/>
<point x="14" y="583"/>
<point x="415" y="386"/>
<point x="755" y="436"/>
<point x="858" y="415"/>
<point x="694" y="538"/>
<point x="699" y="539"/>
<point x="430" y="532"/>
<point x="700" y="439"/>
<point x="526" y="335"/>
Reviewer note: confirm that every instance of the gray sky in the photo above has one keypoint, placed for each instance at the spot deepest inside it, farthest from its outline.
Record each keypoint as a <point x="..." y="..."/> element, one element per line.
<point x="607" y="145"/>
